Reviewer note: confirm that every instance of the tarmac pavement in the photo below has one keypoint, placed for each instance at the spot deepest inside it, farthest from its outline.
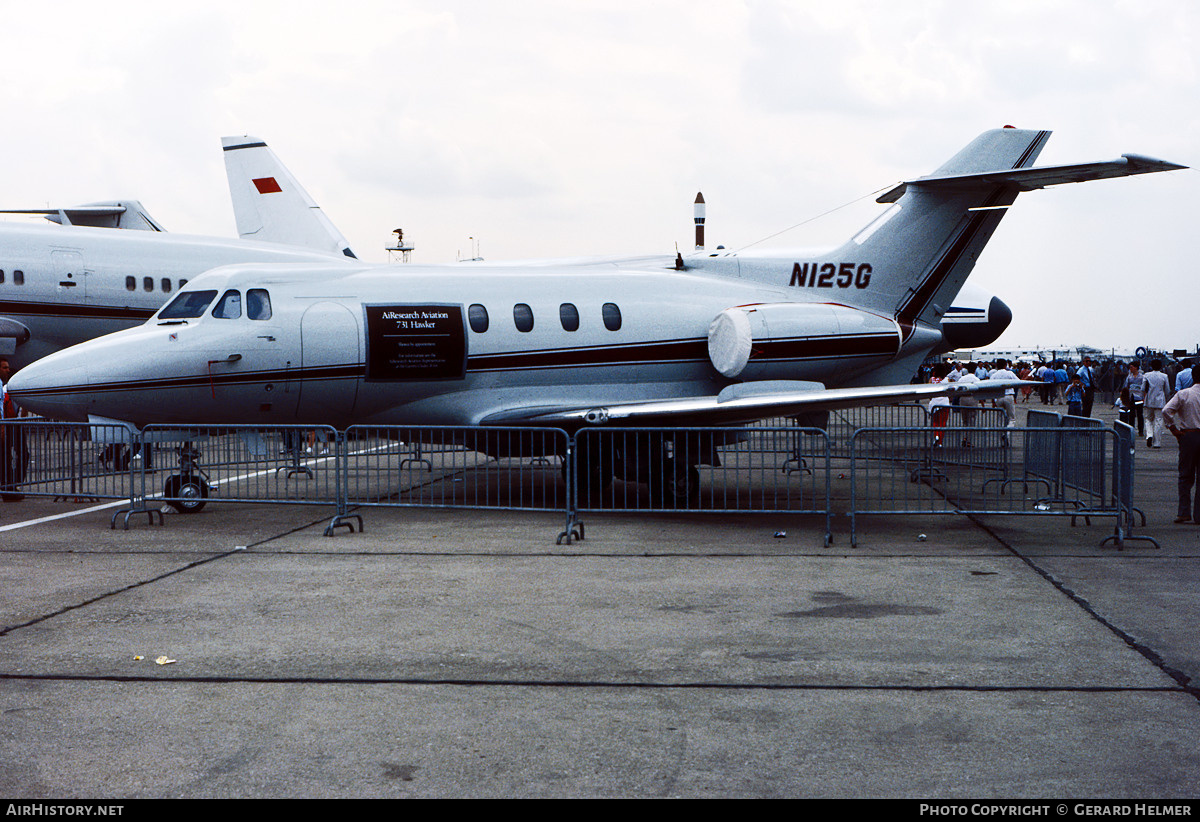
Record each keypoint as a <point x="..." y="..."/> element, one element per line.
<point x="445" y="653"/>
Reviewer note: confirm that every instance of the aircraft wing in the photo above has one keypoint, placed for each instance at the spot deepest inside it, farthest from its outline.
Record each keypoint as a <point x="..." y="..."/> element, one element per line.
<point x="1028" y="179"/>
<point x="12" y="334"/>
<point x="748" y="402"/>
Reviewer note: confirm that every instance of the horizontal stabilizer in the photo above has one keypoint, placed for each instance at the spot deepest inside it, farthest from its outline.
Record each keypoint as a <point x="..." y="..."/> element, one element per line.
<point x="129" y="214"/>
<point x="747" y="405"/>
<point x="1028" y="179"/>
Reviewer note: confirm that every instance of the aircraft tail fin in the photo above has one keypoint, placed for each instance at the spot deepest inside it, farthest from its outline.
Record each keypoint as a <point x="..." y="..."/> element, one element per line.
<point x="933" y="234"/>
<point x="911" y="261"/>
<point x="269" y="204"/>
<point x="924" y="248"/>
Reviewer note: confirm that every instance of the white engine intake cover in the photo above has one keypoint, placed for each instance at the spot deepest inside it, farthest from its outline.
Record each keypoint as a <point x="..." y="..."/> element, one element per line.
<point x="797" y="331"/>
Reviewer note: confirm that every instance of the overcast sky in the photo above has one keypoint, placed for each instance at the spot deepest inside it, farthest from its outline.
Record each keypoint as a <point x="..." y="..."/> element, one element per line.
<point x="567" y="128"/>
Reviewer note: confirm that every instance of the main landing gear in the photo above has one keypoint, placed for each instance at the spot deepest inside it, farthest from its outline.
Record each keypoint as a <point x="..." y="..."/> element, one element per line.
<point x="666" y="465"/>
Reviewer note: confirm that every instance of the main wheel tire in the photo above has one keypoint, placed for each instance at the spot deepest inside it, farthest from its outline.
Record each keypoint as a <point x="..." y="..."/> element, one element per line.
<point x="684" y="486"/>
<point x="674" y="486"/>
<point x="191" y="493"/>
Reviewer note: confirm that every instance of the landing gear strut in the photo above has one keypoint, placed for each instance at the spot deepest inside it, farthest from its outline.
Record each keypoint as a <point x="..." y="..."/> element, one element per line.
<point x="187" y="491"/>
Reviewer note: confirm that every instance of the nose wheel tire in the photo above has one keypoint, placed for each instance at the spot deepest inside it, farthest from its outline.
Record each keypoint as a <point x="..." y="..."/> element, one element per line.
<point x="187" y="495"/>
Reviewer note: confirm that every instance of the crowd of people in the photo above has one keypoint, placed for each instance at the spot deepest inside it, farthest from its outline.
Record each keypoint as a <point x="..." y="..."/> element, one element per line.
<point x="1138" y="395"/>
<point x="1150" y="400"/>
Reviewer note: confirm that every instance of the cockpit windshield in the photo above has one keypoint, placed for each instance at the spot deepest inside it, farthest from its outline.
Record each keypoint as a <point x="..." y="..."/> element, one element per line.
<point x="188" y="305"/>
<point x="230" y="306"/>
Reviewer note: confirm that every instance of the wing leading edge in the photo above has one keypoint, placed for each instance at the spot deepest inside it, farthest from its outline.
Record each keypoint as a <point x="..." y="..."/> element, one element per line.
<point x="1028" y="179"/>
<point x="746" y="402"/>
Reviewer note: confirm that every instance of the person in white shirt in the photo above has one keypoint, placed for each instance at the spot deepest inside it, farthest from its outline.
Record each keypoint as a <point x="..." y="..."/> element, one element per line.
<point x="968" y="403"/>
<point x="1157" y="388"/>
<point x="1008" y="401"/>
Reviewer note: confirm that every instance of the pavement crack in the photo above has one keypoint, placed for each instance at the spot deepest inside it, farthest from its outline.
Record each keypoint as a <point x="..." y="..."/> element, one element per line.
<point x="66" y="609"/>
<point x="1146" y="651"/>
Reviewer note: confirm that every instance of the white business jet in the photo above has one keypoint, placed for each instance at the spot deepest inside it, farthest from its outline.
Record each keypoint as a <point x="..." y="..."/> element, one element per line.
<point x="66" y="283"/>
<point x="711" y="338"/>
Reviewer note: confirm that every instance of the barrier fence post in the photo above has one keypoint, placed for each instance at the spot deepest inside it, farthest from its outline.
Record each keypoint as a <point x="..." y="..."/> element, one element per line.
<point x="341" y="467"/>
<point x="574" y="527"/>
<point x="1123" y="456"/>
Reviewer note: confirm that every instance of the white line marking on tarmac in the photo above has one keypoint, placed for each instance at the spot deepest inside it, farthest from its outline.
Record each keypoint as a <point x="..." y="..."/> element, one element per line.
<point x="40" y="520"/>
<point x="26" y="523"/>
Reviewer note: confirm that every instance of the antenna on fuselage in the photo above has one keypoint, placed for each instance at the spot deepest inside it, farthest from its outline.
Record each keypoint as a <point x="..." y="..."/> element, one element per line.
<point x="475" y="257"/>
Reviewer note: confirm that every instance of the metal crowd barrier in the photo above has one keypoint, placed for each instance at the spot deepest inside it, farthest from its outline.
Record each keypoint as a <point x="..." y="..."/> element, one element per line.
<point x="66" y="460"/>
<point x="1060" y="466"/>
<point x="188" y="467"/>
<point x="840" y="425"/>
<point x="756" y="469"/>
<point x="456" y="467"/>
<point x="1123" y="482"/>
<point x="1087" y="470"/>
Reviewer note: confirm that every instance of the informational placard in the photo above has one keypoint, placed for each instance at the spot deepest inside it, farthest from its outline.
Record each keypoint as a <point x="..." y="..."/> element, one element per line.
<point x="426" y="341"/>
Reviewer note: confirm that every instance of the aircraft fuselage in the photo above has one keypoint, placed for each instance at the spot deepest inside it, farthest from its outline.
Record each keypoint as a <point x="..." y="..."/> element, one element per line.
<point x="67" y="284"/>
<point x="446" y="345"/>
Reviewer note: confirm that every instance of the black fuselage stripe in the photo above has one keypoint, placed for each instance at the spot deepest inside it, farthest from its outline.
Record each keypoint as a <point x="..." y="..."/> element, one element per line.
<point x="810" y="348"/>
<point x="75" y="311"/>
<point x="919" y="300"/>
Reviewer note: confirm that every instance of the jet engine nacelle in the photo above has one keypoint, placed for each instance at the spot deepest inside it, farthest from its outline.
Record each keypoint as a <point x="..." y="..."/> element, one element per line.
<point x="12" y="334"/>
<point x="973" y="323"/>
<point x="809" y="340"/>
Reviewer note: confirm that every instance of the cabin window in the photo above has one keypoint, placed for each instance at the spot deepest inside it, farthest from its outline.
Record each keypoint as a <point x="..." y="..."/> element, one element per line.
<point x="477" y="316"/>
<point x="131" y="283"/>
<point x="187" y="305"/>
<point x="1" y="275"/>
<point x="523" y="317"/>
<point x="182" y="283"/>
<point x="229" y="307"/>
<point x="147" y="283"/>
<point x="569" y="316"/>
<point x="166" y="285"/>
<point x="18" y="278"/>
<point x="612" y="317"/>
<point x="258" y="304"/>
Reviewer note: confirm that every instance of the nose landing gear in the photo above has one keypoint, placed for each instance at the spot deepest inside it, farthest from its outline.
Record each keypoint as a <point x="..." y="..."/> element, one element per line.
<point x="187" y="491"/>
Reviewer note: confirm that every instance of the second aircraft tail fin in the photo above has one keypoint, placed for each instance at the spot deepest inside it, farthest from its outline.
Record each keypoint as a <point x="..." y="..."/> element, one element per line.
<point x="270" y="205"/>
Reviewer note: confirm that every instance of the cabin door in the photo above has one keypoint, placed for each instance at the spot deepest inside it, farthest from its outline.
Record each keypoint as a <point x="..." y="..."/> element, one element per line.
<point x="331" y="363"/>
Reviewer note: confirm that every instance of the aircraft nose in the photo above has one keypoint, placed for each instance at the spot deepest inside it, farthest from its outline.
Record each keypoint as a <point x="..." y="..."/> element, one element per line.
<point x="55" y="387"/>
